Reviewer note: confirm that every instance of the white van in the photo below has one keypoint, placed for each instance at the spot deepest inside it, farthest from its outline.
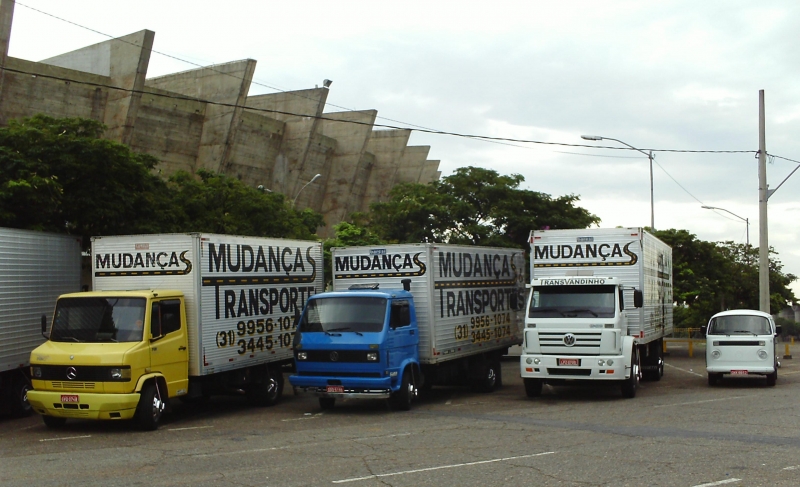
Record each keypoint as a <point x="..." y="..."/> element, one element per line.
<point x="741" y="342"/>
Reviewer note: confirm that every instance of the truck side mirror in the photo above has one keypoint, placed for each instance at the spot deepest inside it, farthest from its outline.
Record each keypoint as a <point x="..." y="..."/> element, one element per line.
<point x="778" y="330"/>
<point x="704" y="330"/>
<point x="44" y="326"/>
<point x="638" y="298"/>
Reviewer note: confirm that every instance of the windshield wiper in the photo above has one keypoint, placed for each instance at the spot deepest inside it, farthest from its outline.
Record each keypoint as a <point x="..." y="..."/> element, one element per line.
<point x="345" y="328"/>
<point x="61" y="339"/>
<point x="746" y="331"/>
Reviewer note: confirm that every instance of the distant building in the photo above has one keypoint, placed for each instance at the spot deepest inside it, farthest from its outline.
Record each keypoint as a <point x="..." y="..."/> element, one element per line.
<point x="791" y="313"/>
<point x="204" y="119"/>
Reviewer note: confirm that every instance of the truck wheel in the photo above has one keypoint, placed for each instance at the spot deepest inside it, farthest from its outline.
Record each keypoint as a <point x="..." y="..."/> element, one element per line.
<point x="54" y="422"/>
<point x="150" y="408"/>
<point x="630" y="385"/>
<point x="772" y="378"/>
<point x="533" y="387"/>
<point x="18" y="399"/>
<point x="401" y="400"/>
<point x="327" y="403"/>
<point x="488" y="382"/>
<point x="713" y="378"/>
<point x="269" y="391"/>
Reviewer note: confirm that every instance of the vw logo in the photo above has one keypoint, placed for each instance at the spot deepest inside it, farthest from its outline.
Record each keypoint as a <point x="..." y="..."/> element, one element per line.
<point x="72" y="373"/>
<point x="334" y="356"/>
<point x="569" y="339"/>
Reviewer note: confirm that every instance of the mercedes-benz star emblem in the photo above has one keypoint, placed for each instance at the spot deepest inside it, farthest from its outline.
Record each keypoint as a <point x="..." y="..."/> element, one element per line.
<point x="334" y="356"/>
<point x="72" y="373"/>
<point x="569" y="339"/>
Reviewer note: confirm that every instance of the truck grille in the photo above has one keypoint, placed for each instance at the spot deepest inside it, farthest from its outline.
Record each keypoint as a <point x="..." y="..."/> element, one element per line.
<point x="585" y="341"/>
<point x="73" y="385"/>
<point x="352" y="356"/>
<point x="372" y="375"/>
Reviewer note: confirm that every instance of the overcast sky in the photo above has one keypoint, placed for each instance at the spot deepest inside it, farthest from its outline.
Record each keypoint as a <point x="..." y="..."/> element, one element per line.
<point x="666" y="76"/>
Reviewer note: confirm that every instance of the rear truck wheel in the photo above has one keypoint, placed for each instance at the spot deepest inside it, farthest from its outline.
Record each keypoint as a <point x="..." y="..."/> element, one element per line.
<point x="18" y="404"/>
<point x="713" y="378"/>
<point x="327" y="403"/>
<point x="401" y="400"/>
<point x="54" y="422"/>
<point x="630" y="385"/>
<point x="490" y="377"/>
<point x="268" y="391"/>
<point x="499" y="369"/>
<point x="772" y="378"/>
<point x="533" y="387"/>
<point x="151" y="406"/>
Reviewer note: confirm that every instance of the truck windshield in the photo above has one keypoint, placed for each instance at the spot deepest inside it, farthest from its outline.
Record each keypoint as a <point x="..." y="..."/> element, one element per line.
<point x="356" y="314"/>
<point x="739" y="325"/>
<point x="572" y="302"/>
<point x="98" y="320"/>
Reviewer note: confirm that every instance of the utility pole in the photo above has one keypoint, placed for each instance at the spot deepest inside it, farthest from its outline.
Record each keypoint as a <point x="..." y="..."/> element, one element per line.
<point x="763" y="195"/>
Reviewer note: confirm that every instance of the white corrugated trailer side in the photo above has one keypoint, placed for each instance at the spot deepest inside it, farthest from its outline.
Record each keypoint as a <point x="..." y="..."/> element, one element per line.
<point x="453" y="286"/>
<point x="227" y="281"/>
<point x="634" y="256"/>
<point x="35" y="268"/>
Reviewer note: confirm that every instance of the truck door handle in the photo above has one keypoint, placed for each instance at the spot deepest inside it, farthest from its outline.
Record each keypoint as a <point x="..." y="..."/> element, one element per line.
<point x="181" y="348"/>
<point x="411" y="332"/>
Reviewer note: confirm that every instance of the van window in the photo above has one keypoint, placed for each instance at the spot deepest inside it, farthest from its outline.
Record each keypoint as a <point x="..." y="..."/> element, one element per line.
<point x="166" y="317"/>
<point x="739" y="325"/>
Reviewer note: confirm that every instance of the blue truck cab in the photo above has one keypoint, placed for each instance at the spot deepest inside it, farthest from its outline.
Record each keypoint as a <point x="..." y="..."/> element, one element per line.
<point x="358" y="343"/>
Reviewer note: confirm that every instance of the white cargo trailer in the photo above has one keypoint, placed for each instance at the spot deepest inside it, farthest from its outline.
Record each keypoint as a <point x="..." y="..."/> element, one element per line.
<point x="599" y="307"/>
<point x="35" y="268"/>
<point x="218" y="314"/>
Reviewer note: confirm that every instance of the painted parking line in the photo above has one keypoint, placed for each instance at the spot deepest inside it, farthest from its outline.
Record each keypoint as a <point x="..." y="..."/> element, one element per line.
<point x="698" y="402"/>
<point x="440" y="467"/>
<point x="190" y="428"/>
<point x="690" y="371"/>
<point x="721" y="482"/>
<point x="66" y="438"/>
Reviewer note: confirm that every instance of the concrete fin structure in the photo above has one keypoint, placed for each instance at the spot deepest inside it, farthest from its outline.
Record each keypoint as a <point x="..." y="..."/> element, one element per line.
<point x="204" y="119"/>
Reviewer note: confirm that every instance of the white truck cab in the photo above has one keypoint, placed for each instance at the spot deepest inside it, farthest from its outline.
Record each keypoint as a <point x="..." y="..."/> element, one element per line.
<point x="741" y="343"/>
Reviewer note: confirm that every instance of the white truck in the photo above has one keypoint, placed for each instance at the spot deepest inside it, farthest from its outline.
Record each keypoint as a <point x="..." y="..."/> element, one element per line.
<point x="35" y="268"/>
<point x="599" y="307"/>
<point x="741" y="343"/>
<point x="174" y="316"/>
<point x="408" y="316"/>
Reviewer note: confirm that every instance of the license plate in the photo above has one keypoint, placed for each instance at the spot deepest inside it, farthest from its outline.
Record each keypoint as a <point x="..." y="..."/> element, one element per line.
<point x="569" y="361"/>
<point x="69" y="398"/>
<point x="334" y="389"/>
<point x="738" y="372"/>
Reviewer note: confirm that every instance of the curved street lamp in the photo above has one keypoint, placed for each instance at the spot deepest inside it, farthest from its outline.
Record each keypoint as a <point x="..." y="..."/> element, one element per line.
<point x="304" y="187"/>
<point x="649" y="156"/>
<point x="745" y="220"/>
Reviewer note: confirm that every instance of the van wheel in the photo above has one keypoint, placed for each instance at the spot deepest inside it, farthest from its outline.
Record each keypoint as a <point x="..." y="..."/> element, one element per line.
<point x="327" y="403"/>
<point x="533" y="387"/>
<point x="713" y="378"/>
<point x="401" y="400"/>
<point x="630" y="385"/>
<point x="151" y="407"/>
<point x="54" y="422"/>
<point x="772" y="378"/>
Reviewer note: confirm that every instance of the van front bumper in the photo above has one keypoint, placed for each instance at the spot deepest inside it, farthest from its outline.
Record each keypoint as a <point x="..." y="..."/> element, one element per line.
<point x="87" y="406"/>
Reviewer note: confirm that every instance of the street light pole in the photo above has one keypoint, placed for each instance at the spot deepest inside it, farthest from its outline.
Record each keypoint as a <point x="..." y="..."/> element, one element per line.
<point x="304" y="187"/>
<point x="745" y="220"/>
<point x="650" y="156"/>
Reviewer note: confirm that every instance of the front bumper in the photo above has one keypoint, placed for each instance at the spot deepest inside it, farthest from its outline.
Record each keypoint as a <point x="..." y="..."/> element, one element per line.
<point x="351" y="388"/>
<point x="750" y="369"/>
<point x="589" y="368"/>
<point x="88" y="406"/>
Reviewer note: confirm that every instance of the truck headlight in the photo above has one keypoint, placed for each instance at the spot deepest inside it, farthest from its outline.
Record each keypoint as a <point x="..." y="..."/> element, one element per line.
<point x="762" y="354"/>
<point x="528" y="360"/>
<point x="372" y="356"/>
<point x="36" y="372"/>
<point x="715" y="354"/>
<point x="610" y="362"/>
<point x="302" y="356"/>
<point x="120" y="373"/>
<point x="601" y="362"/>
<point x="536" y="361"/>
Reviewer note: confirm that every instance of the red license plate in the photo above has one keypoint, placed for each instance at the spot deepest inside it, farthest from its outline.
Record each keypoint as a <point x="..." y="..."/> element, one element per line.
<point x="569" y="361"/>
<point x="334" y="389"/>
<point x="69" y="398"/>
<point x="738" y="372"/>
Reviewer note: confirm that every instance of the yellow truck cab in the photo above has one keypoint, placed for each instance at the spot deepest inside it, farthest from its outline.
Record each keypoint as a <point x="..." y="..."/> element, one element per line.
<point x="112" y="355"/>
<point x="741" y="343"/>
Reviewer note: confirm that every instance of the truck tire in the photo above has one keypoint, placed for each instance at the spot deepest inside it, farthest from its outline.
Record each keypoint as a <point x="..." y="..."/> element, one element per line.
<point x="150" y="408"/>
<point x="533" y="387"/>
<point x="54" y="422"/>
<point x="630" y="385"/>
<point x="327" y="403"/>
<point x="18" y="404"/>
<point x="401" y="400"/>
<point x="713" y="378"/>
<point x="267" y="392"/>
<point x="489" y="377"/>
<point x="772" y="378"/>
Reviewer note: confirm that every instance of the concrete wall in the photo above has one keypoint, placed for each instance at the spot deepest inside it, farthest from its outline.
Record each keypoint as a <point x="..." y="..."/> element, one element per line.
<point x="204" y="119"/>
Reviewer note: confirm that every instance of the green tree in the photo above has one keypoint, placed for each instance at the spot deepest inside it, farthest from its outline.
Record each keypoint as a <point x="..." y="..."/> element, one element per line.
<point x="347" y="235"/>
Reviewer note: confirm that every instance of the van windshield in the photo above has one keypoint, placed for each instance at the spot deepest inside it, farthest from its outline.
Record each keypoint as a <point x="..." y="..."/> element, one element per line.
<point x="739" y="325"/>
<point x="572" y="302"/>
<point x="98" y="320"/>
<point x="355" y="314"/>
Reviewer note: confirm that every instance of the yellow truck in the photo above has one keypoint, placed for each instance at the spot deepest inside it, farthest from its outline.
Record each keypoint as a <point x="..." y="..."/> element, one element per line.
<point x="173" y="316"/>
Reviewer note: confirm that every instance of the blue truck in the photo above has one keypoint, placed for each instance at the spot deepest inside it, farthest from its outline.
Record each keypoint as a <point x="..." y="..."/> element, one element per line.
<point x="402" y="318"/>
